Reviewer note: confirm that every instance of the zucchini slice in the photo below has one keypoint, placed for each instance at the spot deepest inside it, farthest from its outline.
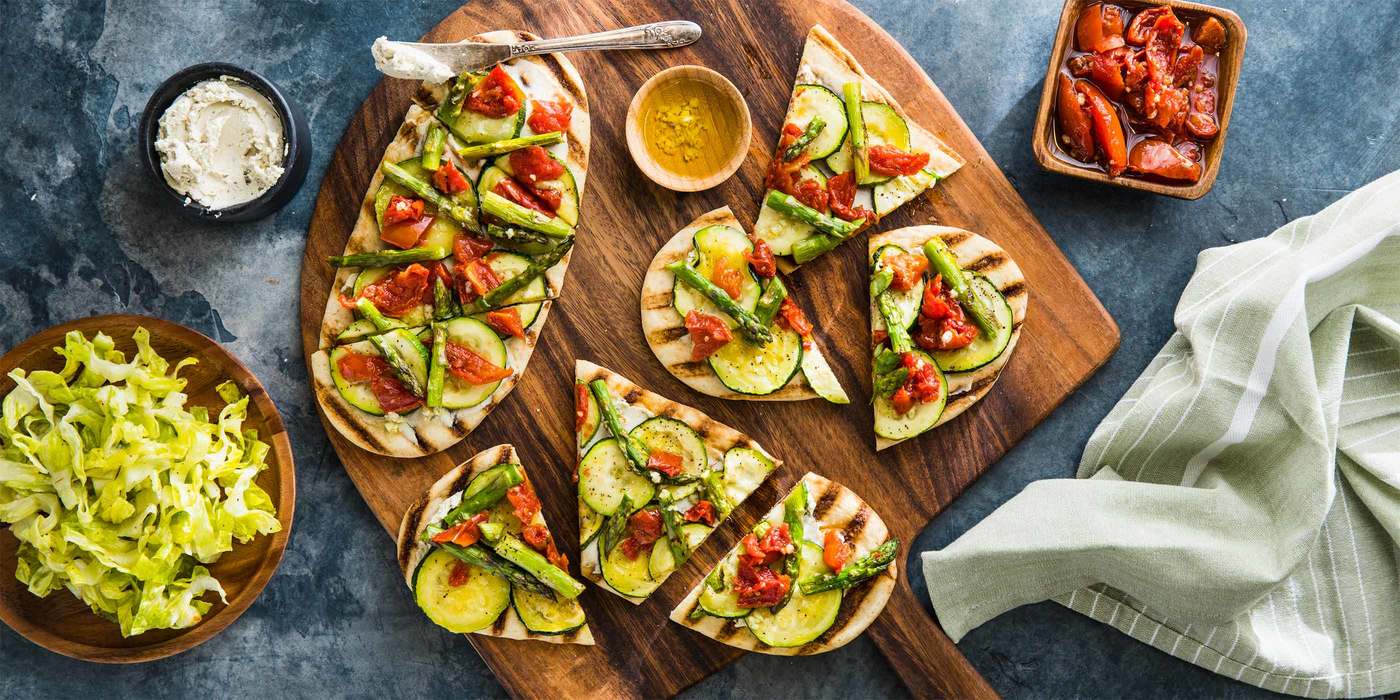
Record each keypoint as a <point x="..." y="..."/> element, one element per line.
<point x="590" y="421"/>
<point x="809" y="101"/>
<point x="469" y="607"/>
<point x="712" y="245"/>
<point x="883" y="127"/>
<point x="717" y="596"/>
<point x="821" y="378"/>
<point x="417" y="316"/>
<point x="779" y="230"/>
<point x="604" y="477"/>
<point x="507" y="265"/>
<point x="659" y="433"/>
<point x="479" y="128"/>
<point x="908" y="302"/>
<point x="590" y="523"/>
<point x="984" y="348"/>
<point x="892" y="194"/>
<point x="482" y="340"/>
<point x="744" y="470"/>
<point x="662" y="562"/>
<point x="358" y="395"/>
<point x="805" y="617"/>
<point x="543" y="614"/>
<point x="630" y="577"/>
<point x="362" y="328"/>
<point x="568" y="200"/>
<point x="919" y="419"/>
<point x="759" y="369"/>
<point x="443" y="231"/>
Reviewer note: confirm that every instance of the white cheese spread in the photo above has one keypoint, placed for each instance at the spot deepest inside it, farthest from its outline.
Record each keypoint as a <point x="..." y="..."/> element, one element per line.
<point x="221" y="143"/>
<point x="399" y="60"/>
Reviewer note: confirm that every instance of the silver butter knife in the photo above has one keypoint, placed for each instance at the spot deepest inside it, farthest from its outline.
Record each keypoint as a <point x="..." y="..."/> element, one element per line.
<point x="417" y="61"/>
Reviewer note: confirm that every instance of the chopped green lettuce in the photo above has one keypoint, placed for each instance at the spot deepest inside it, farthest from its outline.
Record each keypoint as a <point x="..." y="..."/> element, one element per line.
<point x="118" y="491"/>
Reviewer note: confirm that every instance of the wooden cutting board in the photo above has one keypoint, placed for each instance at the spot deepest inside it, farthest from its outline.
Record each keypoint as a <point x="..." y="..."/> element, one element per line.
<point x="625" y="218"/>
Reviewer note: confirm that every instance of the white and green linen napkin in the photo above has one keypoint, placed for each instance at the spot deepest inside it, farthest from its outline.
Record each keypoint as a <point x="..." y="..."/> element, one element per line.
<point x="1240" y="507"/>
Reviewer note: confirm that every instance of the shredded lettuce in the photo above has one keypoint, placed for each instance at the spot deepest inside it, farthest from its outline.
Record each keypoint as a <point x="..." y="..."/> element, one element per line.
<point x="118" y="491"/>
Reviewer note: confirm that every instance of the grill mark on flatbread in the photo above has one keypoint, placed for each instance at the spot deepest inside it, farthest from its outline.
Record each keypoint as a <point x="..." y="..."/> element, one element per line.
<point x="826" y="500"/>
<point x="693" y="369"/>
<point x="729" y="629"/>
<point x="499" y="625"/>
<point x="987" y="262"/>
<point x="347" y="422"/>
<point x="413" y="518"/>
<point x="632" y="396"/>
<point x="954" y="239"/>
<point x="1015" y="289"/>
<point x="658" y="301"/>
<point x="671" y="335"/>
<point x="857" y="524"/>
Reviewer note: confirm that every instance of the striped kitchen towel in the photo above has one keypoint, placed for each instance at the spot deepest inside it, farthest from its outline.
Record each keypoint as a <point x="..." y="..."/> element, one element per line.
<point x="1240" y="507"/>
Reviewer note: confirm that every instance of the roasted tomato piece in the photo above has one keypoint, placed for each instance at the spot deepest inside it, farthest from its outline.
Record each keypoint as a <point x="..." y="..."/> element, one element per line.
<point x="496" y="95"/>
<point x="398" y="292"/>
<point x="1188" y="61"/>
<point x="942" y="323"/>
<point x="357" y="367"/>
<point x="1165" y="106"/>
<point x="466" y="365"/>
<point x="756" y="586"/>
<point x="1106" y="70"/>
<point x="1141" y="26"/>
<point x="537" y="536"/>
<point x="1159" y="158"/>
<point x="405" y="234"/>
<point x="523" y="502"/>
<point x="474" y="279"/>
<point x="449" y="180"/>
<point x="1162" y="44"/>
<point x="902" y="401"/>
<point x="532" y="165"/>
<point x="506" y="322"/>
<point x="460" y="576"/>
<point x="1099" y="28"/>
<point x="668" y="463"/>
<point x="842" y="189"/>
<point x="1210" y="34"/>
<point x="467" y="248"/>
<point x="581" y="404"/>
<point x="465" y="533"/>
<point x="1107" y="128"/>
<point x="643" y="528"/>
<point x="547" y="116"/>
<point x="891" y="162"/>
<point x="1202" y="125"/>
<point x="922" y="382"/>
<point x="727" y="277"/>
<point x="510" y="189"/>
<point x="836" y="551"/>
<point x="402" y="209"/>
<point x="791" y="316"/>
<point x="813" y="194"/>
<point x="392" y="395"/>
<point x="907" y="269"/>
<point x="702" y="512"/>
<point x="707" y="334"/>
<point x="1072" y="113"/>
<point x="761" y="259"/>
<point x="1080" y="65"/>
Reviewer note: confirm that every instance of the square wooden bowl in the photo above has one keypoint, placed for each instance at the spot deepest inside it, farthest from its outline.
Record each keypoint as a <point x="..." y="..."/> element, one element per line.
<point x="1227" y="79"/>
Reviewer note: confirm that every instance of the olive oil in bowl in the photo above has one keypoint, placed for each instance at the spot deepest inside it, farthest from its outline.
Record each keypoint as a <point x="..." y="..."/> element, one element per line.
<point x="688" y="128"/>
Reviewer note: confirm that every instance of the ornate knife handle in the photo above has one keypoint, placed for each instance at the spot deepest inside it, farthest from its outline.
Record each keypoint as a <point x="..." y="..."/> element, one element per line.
<point x="658" y="35"/>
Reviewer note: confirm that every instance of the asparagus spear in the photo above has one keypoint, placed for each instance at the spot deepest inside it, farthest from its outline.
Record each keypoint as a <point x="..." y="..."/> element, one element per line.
<point x="889" y="382"/>
<point x="503" y="478"/>
<point x="830" y="225"/>
<point x="614" y="527"/>
<point x="768" y="304"/>
<point x="452" y="106"/>
<point x="636" y="456"/>
<point x="444" y="301"/>
<point x="886" y="362"/>
<point x="393" y="345"/>
<point x="432" y="147"/>
<point x="814" y="128"/>
<point x="894" y="324"/>
<point x="860" y="157"/>
<point x="373" y="315"/>
<point x="538" y="265"/>
<point x="522" y="240"/>
<point x="714" y="493"/>
<point x="756" y="331"/>
<point x="444" y="204"/>
<point x="495" y="148"/>
<point x="794" y="507"/>
<point x="437" y="366"/>
<point x="386" y="258"/>
<point x="680" y="549"/>
<point x="866" y="567"/>
<point x="516" y="215"/>
<point x="880" y="281"/>
<point x="510" y="548"/>
<point x="947" y="265"/>
<point x="482" y="558"/>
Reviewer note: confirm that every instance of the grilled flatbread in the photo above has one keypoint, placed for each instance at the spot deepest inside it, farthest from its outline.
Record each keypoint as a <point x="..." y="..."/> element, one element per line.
<point x="665" y="331"/>
<point x="833" y="507"/>
<point x="705" y="446"/>
<point x="422" y="431"/>
<point x="977" y="256"/>
<point x="825" y="69"/>
<point x="441" y="498"/>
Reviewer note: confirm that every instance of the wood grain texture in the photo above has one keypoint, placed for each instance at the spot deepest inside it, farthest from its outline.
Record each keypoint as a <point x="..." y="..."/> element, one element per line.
<point x="61" y="623"/>
<point x="1231" y="58"/>
<point x="624" y="220"/>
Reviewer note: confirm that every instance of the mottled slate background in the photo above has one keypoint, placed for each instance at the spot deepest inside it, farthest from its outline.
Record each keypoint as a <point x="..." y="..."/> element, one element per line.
<point x="82" y="232"/>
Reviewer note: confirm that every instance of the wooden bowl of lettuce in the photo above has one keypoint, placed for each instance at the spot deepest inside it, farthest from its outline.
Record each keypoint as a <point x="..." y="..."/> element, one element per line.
<point x="115" y="488"/>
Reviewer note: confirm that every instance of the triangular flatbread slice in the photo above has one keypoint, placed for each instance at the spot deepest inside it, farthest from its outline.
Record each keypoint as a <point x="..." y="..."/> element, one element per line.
<point x="790" y="368"/>
<point x="805" y="624"/>
<point x="417" y="432"/>
<point x="719" y="465"/>
<point x="512" y="611"/>
<point x="967" y="374"/>
<point x="824" y="71"/>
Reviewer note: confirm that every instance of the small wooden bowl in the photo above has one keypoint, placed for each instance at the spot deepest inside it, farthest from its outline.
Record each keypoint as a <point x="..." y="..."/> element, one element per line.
<point x="61" y="623"/>
<point x="1227" y="78"/>
<point x="668" y="178"/>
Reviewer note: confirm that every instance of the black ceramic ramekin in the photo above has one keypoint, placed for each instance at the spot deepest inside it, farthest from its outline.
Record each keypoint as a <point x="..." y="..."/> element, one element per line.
<point x="294" y="130"/>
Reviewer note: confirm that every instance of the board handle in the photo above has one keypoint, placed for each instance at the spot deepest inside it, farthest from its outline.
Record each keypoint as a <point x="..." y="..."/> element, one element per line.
<point x="925" y="659"/>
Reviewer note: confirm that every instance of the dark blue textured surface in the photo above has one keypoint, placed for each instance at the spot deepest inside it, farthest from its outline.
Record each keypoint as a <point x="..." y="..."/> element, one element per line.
<point x="82" y="233"/>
